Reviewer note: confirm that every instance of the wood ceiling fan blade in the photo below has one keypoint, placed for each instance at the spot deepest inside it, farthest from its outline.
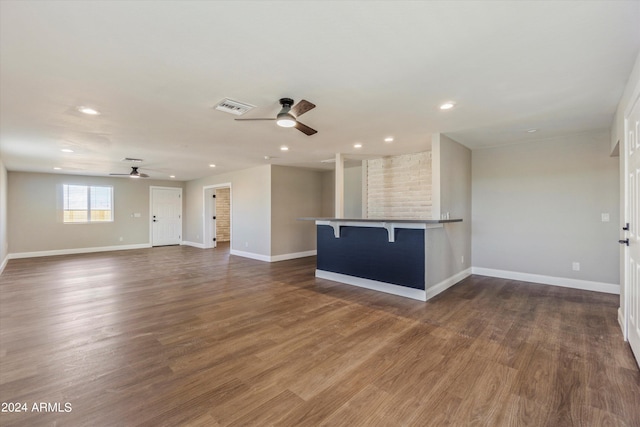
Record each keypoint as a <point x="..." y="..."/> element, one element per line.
<point x="302" y="107"/>
<point x="305" y="129"/>
<point x="144" y="175"/>
<point x="244" y="120"/>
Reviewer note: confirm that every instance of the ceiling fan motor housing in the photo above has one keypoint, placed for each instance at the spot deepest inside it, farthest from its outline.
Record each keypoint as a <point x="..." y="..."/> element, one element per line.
<point x="286" y="102"/>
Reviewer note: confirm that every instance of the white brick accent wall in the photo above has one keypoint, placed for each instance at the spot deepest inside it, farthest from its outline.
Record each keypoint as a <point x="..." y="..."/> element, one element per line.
<point x="399" y="186"/>
<point x="223" y="214"/>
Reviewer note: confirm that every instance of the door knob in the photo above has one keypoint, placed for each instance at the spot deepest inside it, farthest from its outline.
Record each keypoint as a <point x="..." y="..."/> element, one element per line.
<point x="624" y="242"/>
<point x="626" y="227"/>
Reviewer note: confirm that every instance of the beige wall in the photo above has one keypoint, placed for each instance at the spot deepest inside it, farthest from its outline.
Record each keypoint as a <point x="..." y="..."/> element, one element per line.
<point x="4" y="239"/>
<point x="250" y="205"/>
<point x="295" y="193"/>
<point x="34" y="217"/>
<point x="328" y="194"/>
<point x="537" y="208"/>
<point x="353" y="192"/>
<point x="450" y="247"/>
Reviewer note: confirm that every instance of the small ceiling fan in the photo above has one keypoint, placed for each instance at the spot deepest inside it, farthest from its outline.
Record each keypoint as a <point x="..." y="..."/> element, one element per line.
<point x="288" y="116"/>
<point x="133" y="174"/>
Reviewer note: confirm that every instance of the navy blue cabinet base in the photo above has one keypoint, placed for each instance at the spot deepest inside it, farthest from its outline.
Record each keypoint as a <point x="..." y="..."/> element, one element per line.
<point x="367" y="253"/>
<point x="385" y="255"/>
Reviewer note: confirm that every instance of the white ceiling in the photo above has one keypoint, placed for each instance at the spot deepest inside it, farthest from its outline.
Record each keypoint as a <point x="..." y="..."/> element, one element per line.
<point x="155" y="70"/>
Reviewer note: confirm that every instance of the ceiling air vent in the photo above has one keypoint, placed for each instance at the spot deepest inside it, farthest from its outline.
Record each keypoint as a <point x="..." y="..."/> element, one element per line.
<point x="234" y="107"/>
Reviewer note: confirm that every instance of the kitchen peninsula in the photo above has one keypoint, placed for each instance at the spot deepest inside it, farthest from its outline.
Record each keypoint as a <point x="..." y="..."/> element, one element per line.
<point x="398" y="256"/>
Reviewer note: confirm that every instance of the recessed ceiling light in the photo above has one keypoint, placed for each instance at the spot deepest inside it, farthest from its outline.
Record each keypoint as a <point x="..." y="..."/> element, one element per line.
<point x="172" y="176"/>
<point x="447" y="105"/>
<point x="388" y="139"/>
<point x="212" y="165"/>
<point x="56" y="169"/>
<point x="67" y="150"/>
<point x="88" y="110"/>
<point x="284" y="148"/>
<point x="357" y="145"/>
<point x="532" y="130"/>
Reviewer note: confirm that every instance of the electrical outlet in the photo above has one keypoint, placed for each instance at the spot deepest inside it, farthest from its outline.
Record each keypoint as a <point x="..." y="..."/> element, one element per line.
<point x="246" y="244"/>
<point x="576" y="266"/>
<point x="462" y="259"/>
<point x="121" y="238"/>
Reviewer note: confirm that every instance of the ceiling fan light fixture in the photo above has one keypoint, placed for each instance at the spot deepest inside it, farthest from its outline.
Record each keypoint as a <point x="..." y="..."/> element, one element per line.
<point x="285" y="120"/>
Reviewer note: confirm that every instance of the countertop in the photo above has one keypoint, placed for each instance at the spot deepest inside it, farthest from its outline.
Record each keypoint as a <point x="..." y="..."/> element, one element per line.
<point x="396" y="220"/>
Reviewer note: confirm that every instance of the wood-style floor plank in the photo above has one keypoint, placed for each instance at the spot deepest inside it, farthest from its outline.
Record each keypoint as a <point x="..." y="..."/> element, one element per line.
<point x="179" y="336"/>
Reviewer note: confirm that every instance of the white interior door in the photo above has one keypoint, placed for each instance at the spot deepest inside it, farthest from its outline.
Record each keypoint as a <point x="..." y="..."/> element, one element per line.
<point x="632" y="253"/>
<point x="166" y="216"/>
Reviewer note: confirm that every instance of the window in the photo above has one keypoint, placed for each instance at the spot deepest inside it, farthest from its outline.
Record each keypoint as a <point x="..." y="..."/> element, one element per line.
<point x="84" y="204"/>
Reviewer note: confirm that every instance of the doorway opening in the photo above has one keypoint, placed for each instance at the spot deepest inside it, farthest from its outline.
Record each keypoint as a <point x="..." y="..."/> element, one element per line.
<point x="217" y="215"/>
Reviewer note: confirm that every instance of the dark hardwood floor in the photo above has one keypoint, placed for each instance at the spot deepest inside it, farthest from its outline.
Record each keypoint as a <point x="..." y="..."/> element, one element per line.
<point x="178" y="336"/>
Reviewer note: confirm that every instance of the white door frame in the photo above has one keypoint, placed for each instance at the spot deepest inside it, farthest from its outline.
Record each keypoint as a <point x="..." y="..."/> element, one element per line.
<point x="151" y="188"/>
<point x="624" y="280"/>
<point x="205" y="216"/>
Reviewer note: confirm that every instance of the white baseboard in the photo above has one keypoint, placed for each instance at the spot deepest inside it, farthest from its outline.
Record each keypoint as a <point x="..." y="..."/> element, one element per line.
<point x="375" y="285"/>
<point x="194" y="244"/>
<point x="294" y="255"/>
<point x="274" y="258"/>
<point x="434" y="290"/>
<point x="4" y="264"/>
<point x="251" y="255"/>
<point x="586" y="285"/>
<point x="621" y="323"/>
<point x="76" y="251"/>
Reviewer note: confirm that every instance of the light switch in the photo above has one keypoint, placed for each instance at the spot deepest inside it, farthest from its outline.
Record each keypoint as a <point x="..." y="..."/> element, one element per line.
<point x="605" y="217"/>
<point x="137" y="215"/>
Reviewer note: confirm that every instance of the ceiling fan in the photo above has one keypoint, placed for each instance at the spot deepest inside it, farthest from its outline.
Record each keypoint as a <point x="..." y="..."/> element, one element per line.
<point x="288" y="116"/>
<point x="133" y="174"/>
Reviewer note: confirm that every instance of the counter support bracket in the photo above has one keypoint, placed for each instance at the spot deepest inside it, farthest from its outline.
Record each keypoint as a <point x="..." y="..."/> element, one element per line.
<point x="389" y="226"/>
